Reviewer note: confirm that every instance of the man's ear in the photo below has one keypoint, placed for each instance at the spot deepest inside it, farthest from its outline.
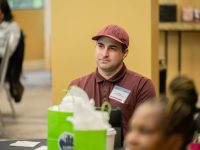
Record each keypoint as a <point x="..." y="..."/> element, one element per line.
<point x="125" y="53"/>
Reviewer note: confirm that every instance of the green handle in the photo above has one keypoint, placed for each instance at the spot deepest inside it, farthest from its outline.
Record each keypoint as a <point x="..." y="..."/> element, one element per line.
<point x="104" y="105"/>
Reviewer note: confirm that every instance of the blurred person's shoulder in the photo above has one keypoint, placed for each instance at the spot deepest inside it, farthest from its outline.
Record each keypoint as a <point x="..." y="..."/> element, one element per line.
<point x="14" y="25"/>
<point x="10" y="26"/>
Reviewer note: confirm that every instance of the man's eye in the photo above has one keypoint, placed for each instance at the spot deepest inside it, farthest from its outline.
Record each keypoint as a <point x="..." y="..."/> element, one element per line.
<point x="113" y="48"/>
<point x="100" y="45"/>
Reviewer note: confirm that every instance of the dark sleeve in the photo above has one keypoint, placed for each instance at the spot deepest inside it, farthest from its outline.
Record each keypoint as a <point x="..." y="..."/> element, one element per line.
<point x="145" y="91"/>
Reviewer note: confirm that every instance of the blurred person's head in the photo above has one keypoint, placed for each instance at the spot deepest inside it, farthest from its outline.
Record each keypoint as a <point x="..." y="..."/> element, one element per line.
<point x="5" y="11"/>
<point x="183" y="88"/>
<point x="183" y="97"/>
<point x="145" y="127"/>
<point x="165" y="124"/>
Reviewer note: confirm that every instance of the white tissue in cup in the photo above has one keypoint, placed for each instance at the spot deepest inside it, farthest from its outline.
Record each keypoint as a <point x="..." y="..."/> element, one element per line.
<point x="111" y="132"/>
<point x="60" y="131"/>
<point x="89" y="125"/>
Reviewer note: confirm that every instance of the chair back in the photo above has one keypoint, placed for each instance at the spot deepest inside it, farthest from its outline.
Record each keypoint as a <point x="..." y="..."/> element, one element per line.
<point x="116" y="123"/>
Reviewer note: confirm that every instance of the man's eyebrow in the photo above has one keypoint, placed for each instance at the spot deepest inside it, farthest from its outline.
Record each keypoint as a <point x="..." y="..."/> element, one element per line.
<point x="113" y="45"/>
<point x="99" y="42"/>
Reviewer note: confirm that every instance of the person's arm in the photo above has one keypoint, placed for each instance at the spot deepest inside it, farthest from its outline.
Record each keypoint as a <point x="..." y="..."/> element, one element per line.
<point x="145" y="91"/>
<point x="13" y="40"/>
<point x="9" y="35"/>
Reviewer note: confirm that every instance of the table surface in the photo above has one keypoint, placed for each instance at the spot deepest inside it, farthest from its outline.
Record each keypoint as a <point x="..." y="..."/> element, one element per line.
<point x="5" y="145"/>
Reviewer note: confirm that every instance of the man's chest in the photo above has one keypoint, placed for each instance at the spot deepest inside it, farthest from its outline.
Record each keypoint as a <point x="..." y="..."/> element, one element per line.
<point x="117" y="94"/>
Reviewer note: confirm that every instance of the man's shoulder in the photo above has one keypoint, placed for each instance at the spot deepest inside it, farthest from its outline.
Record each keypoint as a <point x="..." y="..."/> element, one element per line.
<point x="135" y="75"/>
<point x="144" y="84"/>
<point x="83" y="79"/>
<point x="88" y="76"/>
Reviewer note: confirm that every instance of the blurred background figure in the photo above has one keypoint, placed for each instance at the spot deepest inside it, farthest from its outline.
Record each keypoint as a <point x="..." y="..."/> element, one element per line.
<point x="9" y="30"/>
<point x="184" y="89"/>
<point x="162" y="76"/>
<point x="167" y="123"/>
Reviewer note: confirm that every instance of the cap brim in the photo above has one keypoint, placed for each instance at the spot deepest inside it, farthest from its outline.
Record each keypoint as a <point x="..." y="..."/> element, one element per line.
<point x="112" y="37"/>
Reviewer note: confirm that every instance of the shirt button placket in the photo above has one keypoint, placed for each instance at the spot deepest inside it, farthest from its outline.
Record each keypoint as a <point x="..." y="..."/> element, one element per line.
<point x="105" y="91"/>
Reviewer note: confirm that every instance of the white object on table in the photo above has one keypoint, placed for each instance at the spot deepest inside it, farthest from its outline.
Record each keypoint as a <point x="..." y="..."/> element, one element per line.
<point x="41" y="148"/>
<point x="24" y="144"/>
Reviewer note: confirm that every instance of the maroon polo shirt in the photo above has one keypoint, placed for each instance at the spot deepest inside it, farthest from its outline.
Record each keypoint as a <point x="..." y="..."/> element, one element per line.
<point x="98" y="88"/>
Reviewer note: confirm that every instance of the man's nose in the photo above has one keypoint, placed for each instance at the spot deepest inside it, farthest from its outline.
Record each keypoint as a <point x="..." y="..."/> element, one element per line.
<point x="105" y="52"/>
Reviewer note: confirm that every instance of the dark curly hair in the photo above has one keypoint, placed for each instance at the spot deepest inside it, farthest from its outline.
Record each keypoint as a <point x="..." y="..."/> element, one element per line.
<point x="181" y="109"/>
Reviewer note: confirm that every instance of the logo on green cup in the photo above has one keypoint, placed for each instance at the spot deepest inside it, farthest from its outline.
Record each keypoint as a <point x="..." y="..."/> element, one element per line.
<point x="65" y="141"/>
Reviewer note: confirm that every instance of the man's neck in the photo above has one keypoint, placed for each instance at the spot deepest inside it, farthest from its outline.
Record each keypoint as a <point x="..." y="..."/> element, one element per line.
<point x="108" y="75"/>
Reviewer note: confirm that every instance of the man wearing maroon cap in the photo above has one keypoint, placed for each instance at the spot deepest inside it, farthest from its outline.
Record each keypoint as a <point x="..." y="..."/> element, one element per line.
<point x="112" y="81"/>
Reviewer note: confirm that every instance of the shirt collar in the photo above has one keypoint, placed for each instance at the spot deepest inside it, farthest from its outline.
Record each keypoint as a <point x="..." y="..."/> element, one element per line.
<point x="115" y="78"/>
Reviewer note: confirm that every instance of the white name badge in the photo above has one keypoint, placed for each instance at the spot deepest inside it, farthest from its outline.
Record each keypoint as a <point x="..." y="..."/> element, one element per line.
<point x="119" y="93"/>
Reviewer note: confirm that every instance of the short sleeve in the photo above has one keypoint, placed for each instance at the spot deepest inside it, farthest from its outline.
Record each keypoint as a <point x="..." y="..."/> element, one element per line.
<point x="145" y="91"/>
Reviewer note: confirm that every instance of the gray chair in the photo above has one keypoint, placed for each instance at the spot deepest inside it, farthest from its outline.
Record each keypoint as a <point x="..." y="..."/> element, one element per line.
<point x="3" y="85"/>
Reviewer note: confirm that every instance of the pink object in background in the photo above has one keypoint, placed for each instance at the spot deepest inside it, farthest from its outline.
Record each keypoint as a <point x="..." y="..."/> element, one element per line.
<point x="194" y="146"/>
<point x="187" y="14"/>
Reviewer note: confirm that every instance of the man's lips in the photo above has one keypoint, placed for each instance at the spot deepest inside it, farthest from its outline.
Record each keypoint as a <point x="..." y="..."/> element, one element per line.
<point x="104" y="60"/>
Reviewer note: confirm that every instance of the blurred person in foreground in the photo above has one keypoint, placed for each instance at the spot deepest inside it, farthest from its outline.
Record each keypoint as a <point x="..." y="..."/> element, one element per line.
<point x="166" y="124"/>
<point x="12" y="39"/>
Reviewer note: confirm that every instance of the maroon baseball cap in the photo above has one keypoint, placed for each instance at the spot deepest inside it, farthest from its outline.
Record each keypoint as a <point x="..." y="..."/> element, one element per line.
<point x="115" y="32"/>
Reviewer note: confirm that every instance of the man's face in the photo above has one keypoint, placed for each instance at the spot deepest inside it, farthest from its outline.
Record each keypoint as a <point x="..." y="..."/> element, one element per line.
<point x="109" y="55"/>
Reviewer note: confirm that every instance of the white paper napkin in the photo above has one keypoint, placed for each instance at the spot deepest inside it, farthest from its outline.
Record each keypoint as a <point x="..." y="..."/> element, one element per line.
<point x="24" y="144"/>
<point x="41" y="148"/>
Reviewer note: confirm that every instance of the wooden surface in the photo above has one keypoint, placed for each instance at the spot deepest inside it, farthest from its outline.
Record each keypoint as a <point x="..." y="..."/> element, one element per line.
<point x="179" y="26"/>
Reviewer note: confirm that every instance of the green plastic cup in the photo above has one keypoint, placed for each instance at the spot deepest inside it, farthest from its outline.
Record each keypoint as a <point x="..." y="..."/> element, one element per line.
<point x="90" y="140"/>
<point x="60" y="131"/>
